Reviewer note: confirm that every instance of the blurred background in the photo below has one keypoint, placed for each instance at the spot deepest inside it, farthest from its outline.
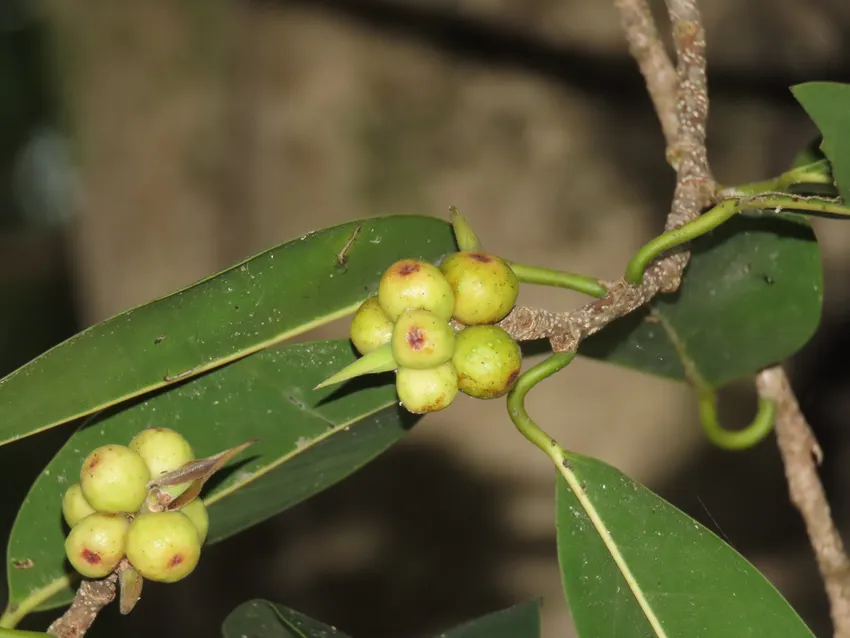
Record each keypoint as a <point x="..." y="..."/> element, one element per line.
<point x="145" y="145"/>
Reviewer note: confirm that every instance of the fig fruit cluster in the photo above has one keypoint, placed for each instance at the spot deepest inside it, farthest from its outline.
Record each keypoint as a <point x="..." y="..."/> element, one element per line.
<point x="109" y="518"/>
<point x="412" y="314"/>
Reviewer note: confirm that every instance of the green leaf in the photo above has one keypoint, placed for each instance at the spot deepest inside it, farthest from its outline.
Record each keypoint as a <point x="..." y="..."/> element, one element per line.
<point x="269" y="298"/>
<point x="751" y="296"/>
<point x="828" y="104"/>
<point x="262" y="619"/>
<point x="308" y="440"/>
<point x="519" y="621"/>
<point x="689" y="582"/>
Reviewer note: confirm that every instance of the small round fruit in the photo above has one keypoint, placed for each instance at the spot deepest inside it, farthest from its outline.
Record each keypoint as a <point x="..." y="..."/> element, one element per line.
<point x="422" y="340"/>
<point x="163" y="450"/>
<point x="371" y="327"/>
<point x="96" y="544"/>
<point x="197" y="513"/>
<point x="430" y="390"/>
<point x="485" y="287"/>
<point x="75" y="507"/>
<point x="114" y="478"/>
<point x="487" y="360"/>
<point x="411" y="283"/>
<point x="163" y="546"/>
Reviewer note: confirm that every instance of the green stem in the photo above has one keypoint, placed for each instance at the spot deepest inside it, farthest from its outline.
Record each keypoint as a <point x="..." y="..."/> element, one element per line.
<point x="15" y="613"/>
<point x="676" y="237"/>
<point x="778" y="202"/>
<point x="465" y="237"/>
<point x="814" y="173"/>
<point x="16" y="633"/>
<point x="516" y="403"/>
<point x="558" y="279"/>
<point x="735" y="439"/>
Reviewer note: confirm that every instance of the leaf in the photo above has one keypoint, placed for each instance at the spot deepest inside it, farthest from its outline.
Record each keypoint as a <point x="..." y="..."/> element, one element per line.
<point x="751" y="296"/>
<point x="271" y="297"/>
<point x="307" y="441"/>
<point x="828" y="104"/>
<point x="262" y="619"/>
<point x="519" y="621"/>
<point x="690" y="581"/>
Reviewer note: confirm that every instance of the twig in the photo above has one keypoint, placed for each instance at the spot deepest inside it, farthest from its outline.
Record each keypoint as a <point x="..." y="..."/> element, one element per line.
<point x="648" y="51"/>
<point x="801" y="454"/>
<point x="694" y="191"/>
<point x="92" y="596"/>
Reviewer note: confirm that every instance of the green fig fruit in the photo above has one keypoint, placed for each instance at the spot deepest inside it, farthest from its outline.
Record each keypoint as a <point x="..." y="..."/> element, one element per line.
<point x="421" y="391"/>
<point x="485" y="288"/>
<point x="163" y="546"/>
<point x="371" y="328"/>
<point x="487" y="360"/>
<point x="75" y="507"/>
<point x="164" y="450"/>
<point x="422" y="340"/>
<point x="196" y="511"/>
<point x="114" y="478"/>
<point x="414" y="284"/>
<point x="96" y="544"/>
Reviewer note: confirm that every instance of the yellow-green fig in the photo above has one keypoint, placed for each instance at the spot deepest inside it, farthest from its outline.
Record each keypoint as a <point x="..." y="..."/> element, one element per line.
<point x="487" y="360"/>
<point x="96" y="544"/>
<point x="163" y="546"/>
<point x="114" y="478"/>
<point x="371" y="328"/>
<point x="196" y="511"/>
<point x="421" y="391"/>
<point x="422" y="340"/>
<point x="485" y="288"/>
<point x="413" y="284"/>
<point x="164" y="450"/>
<point x="75" y="507"/>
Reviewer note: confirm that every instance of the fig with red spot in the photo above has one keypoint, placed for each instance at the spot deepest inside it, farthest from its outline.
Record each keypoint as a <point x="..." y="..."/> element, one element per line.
<point x="96" y="544"/>
<point x="414" y="284"/>
<point x="164" y="450"/>
<point x="487" y="360"/>
<point x="114" y="478"/>
<point x="484" y="285"/>
<point x="422" y="340"/>
<point x="421" y="391"/>
<point x="371" y="328"/>
<point x="163" y="546"/>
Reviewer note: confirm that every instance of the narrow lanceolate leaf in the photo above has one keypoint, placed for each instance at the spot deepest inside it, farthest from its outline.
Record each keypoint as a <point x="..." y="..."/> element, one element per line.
<point x="262" y="301"/>
<point x="519" y="621"/>
<point x="307" y="441"/>
<point x="634" y="566"/>
<point x="828" y="104"/>
<point x="751" y="296"/>
<point x="262" y="619"/>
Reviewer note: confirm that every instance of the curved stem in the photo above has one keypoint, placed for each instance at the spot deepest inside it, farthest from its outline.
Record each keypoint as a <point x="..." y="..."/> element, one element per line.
<point x="735" y="439"/>
<point x="780" y="203"/>
<point x="15" y="613"/>
<point x="558" y="279"/>
<point x="676" y="237"/>
<point x="516" y="402"/>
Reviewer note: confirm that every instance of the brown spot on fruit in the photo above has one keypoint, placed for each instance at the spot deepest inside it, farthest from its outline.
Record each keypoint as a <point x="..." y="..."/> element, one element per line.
<point x="416" y="338"/>
<point x="95" y="459"/>
<point x="408" y="269"/>
<point x="175" y="560"/>
<point x="92" y="558"/>
<point x="512" y="378"/>
<point x="484" y="259"/>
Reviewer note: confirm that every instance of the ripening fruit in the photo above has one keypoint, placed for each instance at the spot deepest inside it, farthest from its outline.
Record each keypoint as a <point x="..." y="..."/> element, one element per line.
<point x="75" y="507"/>
<point x="96" y="544"/>
<point x="430" y="390"/>
<point x="114" y="478"/>
<point x="371" y="327"/>
<point x="163" y="450"/>
<point x="414" y="284"/>
<point x="163" y="546"/>
<point x="485" y="287"/>
<point x="487" y="361"/>
<point x="422" y="340"/>
<point x="196" y="511"/>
